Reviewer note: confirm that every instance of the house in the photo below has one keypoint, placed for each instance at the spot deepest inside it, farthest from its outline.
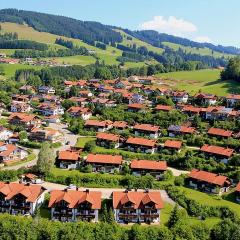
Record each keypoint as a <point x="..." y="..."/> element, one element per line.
<point x="173" y="145"/>
<point x="220" y="153"/>
<point x="27" y="121"/>
<point x="69" y="159"/>
<point x="85" y="94"/>
<point x="5" y="133"/>
<point x="217" y="113"/>
<point x="174" y="130"/>
<point x="98" y="126"/>
<point x="206" y="98"/>
<point x="27" y="89"/>
<point x="18" y="198"/>
<point x="120" y="125"/>
<point x="146" y="130"/>
<point x="147" y="80"/>
<point x="46" y="134"/>
<point x="237" y="191"/>
<point x="122" y="84"/>
<point x="208" y="182"/>
<point x="217" y="132"/>
<point x="104" y="163"/>
<point x="23" y="107"/>
<point x="20" y="98"/>
<point x="73" y="205"/>
<point x="28" y="178"/>
<point x="179" y="96"/>
<point x="49" y="109"/>
<point x="84" y="113"/>
<point x="82" y="102"/>
<point x="136" y="107"/>
<point x="10" y="153"/>
<point x="232" y="100"/>
<point x="136" y="98"/>
<point x="163" y="108"/>
<point x="137" y="207"/>
<point x="108" y="140"/>
<point x="191" y="110"/>
<point x="52" y="119"/>
<point x="46" y="90"/>
<point x="143" y="145"/>
<point x="143" y="167"/>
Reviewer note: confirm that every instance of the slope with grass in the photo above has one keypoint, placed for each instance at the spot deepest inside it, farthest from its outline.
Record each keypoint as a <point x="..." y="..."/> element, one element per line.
<point x="207" y="81"/>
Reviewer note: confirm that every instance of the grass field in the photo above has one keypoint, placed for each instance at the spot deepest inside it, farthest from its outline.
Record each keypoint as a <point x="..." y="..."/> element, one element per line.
<point x="210" y="200"/>
<point x="83" y="140"/>
<point x="81" y="60"/>
<point x="10" y="69"/>
<point x="207" y="81"/>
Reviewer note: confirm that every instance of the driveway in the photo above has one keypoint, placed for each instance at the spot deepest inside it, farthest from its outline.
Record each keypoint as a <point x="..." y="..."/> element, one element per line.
<point x="106" y="192"/>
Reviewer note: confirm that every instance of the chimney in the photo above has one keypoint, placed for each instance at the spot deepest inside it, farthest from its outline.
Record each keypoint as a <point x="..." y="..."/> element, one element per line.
<point x="87" y="190"/>
<point x="135" y="189"/>
<point x="76" y="188"/>
<point x="146" y="190"/>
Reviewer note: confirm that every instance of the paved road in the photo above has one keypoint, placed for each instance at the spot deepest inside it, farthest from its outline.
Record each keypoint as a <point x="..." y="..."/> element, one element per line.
<point x="106" y="192"/>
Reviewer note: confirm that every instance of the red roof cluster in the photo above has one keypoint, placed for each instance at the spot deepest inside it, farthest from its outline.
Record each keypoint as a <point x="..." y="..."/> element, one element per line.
<point x="30" y="192"/>
<point x="74" y="198"/>
<point x="141" y="142"/>
<point x="149" y="165"/>
<point x="227" y="152"/>
<point x="105" y="159"/>
<point x="138" y="199"/>
<point x="209" y="177"/>
<point x="220" y="132"/>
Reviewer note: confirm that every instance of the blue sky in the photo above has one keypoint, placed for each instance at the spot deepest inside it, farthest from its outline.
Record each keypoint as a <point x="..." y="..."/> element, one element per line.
<point x="214" y="21"/>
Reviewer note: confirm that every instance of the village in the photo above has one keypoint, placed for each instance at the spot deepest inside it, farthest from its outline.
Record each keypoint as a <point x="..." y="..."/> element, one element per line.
<point x="143" y="148"/>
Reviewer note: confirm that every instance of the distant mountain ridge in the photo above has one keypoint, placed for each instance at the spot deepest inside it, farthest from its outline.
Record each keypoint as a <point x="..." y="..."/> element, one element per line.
<point x="90" y="31"/>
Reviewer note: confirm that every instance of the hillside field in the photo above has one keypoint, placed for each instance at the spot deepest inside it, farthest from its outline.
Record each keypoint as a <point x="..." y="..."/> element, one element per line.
<point x="208" y="81"/>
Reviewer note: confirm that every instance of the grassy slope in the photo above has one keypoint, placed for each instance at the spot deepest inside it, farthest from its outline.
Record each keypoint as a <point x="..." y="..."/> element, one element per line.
<point x="26" y="32"/>
<point x="200" y="51"/>
<point x="206" y="80"/>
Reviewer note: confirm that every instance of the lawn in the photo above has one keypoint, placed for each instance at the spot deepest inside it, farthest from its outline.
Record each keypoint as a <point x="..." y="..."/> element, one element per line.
<point x="210" y="200"/>
<point x="76" y="60"/>
<point x="207" y="81"/>
<point x="10" y="69"/>
<point x="83" y="140"/>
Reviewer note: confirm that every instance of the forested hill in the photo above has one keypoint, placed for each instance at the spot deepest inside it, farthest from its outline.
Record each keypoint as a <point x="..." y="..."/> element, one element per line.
<point x="64" y="26"/>
<point x="157" y="39"/>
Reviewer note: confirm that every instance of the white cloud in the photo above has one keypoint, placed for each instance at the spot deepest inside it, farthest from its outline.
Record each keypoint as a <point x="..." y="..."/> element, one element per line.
<point x="203" y="39"/>
<point x="170" y="25"/>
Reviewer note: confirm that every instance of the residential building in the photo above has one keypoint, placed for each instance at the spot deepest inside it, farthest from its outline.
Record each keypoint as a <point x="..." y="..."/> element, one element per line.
<point x="143" y="167"/>
<point x="163" y="108"/>
<point x="206" y="98"/>
<point x="232" y="100"/>
<point x="98" y="126"/>
<point x="28" y="121"/>
<point x="173" y="145"/>
<point x="46" y="90"/>
<point x="217" y="132"/>
<point x="46" y="134"/>
<point x="136" y="107"/>
<point x="208" y="182"/>
<point x="146" y="130"/>
<point x="50" y="109"/>
<point x="23" y="107"/>
<point x="179" y="96"/>
<point x="143" y="145"/>
<point x="237" y="191"/>
<point x="18" y="198"/>
<point x="84" y="113"/>
<point x="219" y="153"/>
<point x="73" y="205"/>
<point x="174" y="130"/>
<point x="137" y="207"/>
<point x="69" y="159"/>
<point x="120" y="125"/>
<point x="104" y="163"/>
<point x="5" y="133"/>
<point x="108" y="140"/>
<point x="10" y="153"/>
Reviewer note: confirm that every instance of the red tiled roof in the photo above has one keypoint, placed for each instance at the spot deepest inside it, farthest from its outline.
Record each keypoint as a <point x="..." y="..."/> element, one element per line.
<point x="209" y="177"/>
<point x="190" y="108"/>
<point x="24" y="117"/>
<point x="233" y="96"/>
<point x="97" y="123"/>
<point x="141" y="141"/>
<point x="79" y="110"/>
<point x="220" y="132"/>
<point x="75" y="198"/>
<point x="120" y="124"/>
<point x="105" y="159"/>
<point x="136" y="105"/>
<point x="9" y="148"/>
<point x="217" y="150"/>
<point x="173" y="144"/>
<point x="146" y="127"/>
<point x="185" y="129"/>
<point x="149" y="165"/>
<point x="30" y="192"/>
<point x="238" y="187"/>
<point x="205" y="96"/>
<point x="163" y="108"/>
<point x="138" y="199"/>
<point x="108" y="136"/>
<point x="68" y="155"/>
